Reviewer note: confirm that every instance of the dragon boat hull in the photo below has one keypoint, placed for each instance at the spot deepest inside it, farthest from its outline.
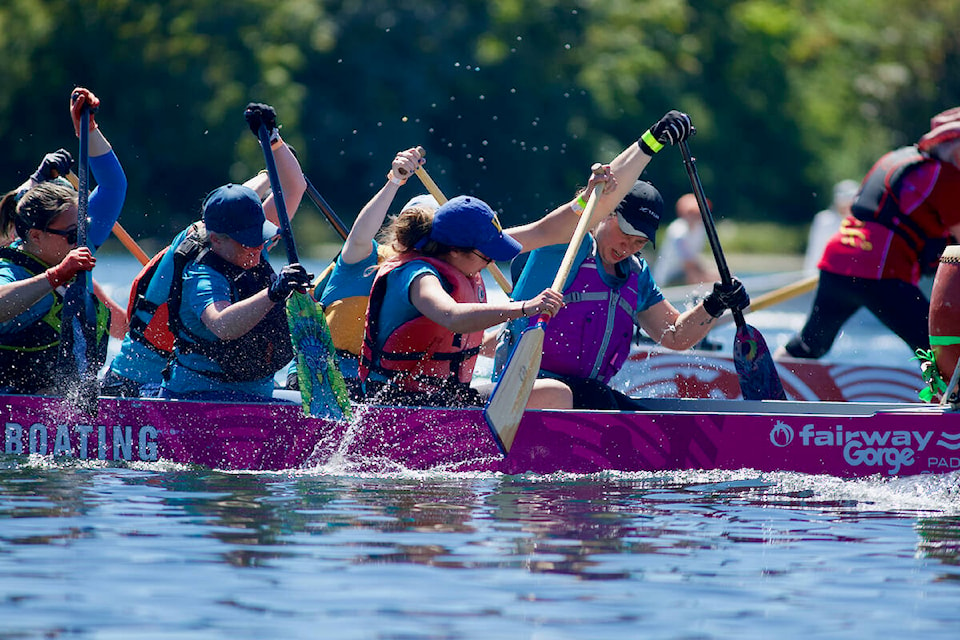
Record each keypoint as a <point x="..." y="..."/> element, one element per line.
<point x="837" y="438"/>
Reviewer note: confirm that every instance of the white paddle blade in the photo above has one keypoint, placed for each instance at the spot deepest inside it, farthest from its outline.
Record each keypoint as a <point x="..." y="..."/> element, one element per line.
<point x="509" y="398"/>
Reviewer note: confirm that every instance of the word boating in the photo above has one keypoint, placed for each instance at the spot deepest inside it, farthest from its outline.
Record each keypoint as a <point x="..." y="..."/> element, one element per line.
<point x="85" y="442"/>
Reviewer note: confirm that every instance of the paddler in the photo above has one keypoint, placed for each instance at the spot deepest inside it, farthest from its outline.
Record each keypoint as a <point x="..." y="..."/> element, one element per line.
<point x="905" y="212"/>
<point x="44" y="257"/>
<point x="137" y="370"/>
<point x="345" y="289"/>
<point x="428" y="306"/>
<point x="610" y="288"/>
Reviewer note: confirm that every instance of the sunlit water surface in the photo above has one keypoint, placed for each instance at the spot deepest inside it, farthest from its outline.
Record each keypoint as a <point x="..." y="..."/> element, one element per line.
<point x="163" y="551"/>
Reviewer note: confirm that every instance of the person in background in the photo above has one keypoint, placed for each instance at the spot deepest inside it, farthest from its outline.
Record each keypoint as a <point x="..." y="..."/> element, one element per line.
<point x="680" y="258"/>
<point x="906" y="209"/>
<point x="827" y="222"/>
<point x="43" y="258"/>
<point x="137" y="370"/>
<point x="610" y="289"/>
<point x="345" y="290"/>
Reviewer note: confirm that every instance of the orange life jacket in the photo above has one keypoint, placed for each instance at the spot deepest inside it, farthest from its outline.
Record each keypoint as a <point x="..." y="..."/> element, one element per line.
<point x="421" y="355"/>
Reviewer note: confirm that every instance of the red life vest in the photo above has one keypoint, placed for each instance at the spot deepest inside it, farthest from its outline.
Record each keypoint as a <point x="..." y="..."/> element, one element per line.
<point x="421" y="355"/>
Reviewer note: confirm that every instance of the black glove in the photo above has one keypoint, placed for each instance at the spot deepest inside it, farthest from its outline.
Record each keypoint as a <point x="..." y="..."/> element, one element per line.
<point x="59" y="161"/>
<point x="292" y="277"/>
<point x="258" y="113"/>
<point x="672" y="128"/>
<point x="732" y="296"/>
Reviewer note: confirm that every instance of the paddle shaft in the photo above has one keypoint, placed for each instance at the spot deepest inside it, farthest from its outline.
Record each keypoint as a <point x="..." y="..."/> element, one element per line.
<point x="326" y="209"/>
<point x="758" y="375"/>
<point x="83" y="180"/>
<point x="709" y="225"/>
<point x="434" y="190"/>
<point x="286" y="231"/>
<point x="125" y="238"/>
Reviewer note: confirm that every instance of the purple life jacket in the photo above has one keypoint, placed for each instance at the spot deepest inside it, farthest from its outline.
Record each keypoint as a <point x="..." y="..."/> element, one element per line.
<point x="590" y="336"/>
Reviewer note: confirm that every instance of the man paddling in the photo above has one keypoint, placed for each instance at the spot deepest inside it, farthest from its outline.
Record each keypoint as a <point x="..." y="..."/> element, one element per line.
<point x="610" y="288"/>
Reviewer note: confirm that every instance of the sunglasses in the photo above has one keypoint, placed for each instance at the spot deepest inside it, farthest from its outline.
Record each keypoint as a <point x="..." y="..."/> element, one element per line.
<point x="69" y="234"/>
<point x="481" y="256"/>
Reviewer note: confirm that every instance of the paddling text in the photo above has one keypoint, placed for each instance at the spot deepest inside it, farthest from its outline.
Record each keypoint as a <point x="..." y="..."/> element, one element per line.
<point x="84" y="441"/>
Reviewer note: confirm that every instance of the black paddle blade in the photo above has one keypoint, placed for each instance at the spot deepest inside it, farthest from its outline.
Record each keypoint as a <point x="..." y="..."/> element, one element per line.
<point x="759" y="379"/>
<point x="80" y="351"/>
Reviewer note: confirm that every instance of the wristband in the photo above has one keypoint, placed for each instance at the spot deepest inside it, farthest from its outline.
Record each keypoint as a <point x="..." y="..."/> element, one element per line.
<point x="394" y="179"/>
<point x="274" y="137"/>
<point x="579" y="205"/>
<point x="649" y="144"/>
<point x="523" y="309"/>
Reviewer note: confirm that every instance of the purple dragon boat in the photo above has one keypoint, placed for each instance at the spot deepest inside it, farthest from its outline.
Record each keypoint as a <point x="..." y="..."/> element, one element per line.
<point x="845" y="439"/>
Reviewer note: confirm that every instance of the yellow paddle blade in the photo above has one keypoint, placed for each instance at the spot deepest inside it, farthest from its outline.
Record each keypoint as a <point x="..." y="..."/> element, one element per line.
<point x="509" y="398"/>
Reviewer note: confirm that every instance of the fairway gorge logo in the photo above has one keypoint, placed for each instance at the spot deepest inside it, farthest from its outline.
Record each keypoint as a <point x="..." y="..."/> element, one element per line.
<point x="886" y="450"/>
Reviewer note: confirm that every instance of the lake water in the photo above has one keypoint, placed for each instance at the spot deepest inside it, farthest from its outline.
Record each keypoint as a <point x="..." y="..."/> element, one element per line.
<point x="164" y="551"/>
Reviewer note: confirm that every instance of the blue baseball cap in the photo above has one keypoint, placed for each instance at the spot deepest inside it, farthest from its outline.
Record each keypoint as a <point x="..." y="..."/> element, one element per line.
<point x="235" y="210"/>
<point x="469" y="222"/>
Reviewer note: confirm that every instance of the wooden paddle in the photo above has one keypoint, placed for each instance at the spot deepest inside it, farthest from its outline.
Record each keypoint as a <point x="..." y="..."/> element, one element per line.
<point x="434" y="190"/>
<point x="78" y="355"/>
<point x="509" y="398"/>
<point x="759" y="379"/>
<point x="322" y="388"/>
<point x="125" y="238"/>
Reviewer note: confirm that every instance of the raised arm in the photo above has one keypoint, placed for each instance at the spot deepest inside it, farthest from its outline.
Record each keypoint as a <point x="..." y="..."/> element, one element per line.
<point x="106" y="200"/>
<point x="359" y="242"/>
<point x="288" y="167"/>
<point x="558" y="225"/>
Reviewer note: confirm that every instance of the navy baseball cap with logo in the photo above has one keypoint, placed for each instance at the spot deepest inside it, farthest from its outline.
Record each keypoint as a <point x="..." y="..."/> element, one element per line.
<point x="469" y="222"/>
<point x="235" y="210"/>
<point x="639" y="213"/>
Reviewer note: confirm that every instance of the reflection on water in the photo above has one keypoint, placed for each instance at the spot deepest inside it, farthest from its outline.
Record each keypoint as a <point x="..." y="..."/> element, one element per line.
<point x="693" y="554"/>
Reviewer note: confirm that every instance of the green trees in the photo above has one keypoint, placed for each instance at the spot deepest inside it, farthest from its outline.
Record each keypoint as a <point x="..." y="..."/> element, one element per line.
<point x="513" y="100"/>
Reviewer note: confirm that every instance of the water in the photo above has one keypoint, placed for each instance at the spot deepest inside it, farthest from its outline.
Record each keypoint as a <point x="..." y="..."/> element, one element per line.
<point x="165" y="551"/>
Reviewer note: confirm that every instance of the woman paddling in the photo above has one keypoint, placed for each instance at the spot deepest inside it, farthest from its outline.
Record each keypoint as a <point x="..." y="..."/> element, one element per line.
<point x="137" y="370"/>
<point x="344" y="289"/>
<point x="428" y="308"/>
<point x="227" y="308"/>
<point x="610" y="289"/>
<point x="44" y="257"/>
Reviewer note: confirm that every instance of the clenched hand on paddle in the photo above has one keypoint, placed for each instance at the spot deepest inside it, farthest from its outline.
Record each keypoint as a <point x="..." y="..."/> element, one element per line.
<point x="322" y="387"/>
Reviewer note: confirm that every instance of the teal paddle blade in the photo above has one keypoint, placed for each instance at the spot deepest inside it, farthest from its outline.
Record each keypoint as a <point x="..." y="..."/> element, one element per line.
<point x="322" y="387"/>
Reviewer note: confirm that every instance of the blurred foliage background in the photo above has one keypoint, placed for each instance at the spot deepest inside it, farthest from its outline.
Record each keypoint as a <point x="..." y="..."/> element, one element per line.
<point x="513" y="99"/>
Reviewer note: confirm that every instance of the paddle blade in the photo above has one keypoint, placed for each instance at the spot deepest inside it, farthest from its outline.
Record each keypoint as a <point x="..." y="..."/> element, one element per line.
<point x="322" y="388"/>
<point x="509" y="398"/>
<point x="79" y="352"/>
<point x="759" y="379"/>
